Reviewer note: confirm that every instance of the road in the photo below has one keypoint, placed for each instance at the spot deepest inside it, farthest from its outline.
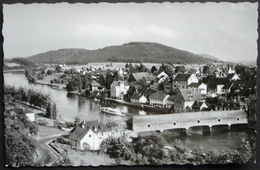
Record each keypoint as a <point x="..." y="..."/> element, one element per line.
<point x="45" y="155"/>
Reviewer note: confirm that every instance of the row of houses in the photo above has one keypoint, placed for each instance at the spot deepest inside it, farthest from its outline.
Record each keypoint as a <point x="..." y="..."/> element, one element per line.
<point x="183" y="90"/>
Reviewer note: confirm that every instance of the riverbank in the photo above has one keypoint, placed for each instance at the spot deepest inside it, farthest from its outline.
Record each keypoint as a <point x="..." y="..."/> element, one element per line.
<point x="11" y="71"/>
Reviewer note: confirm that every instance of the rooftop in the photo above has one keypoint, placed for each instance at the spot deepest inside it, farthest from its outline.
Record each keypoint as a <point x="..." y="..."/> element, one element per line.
<point x="190" y="116"/>
<point x="182" y="77"/>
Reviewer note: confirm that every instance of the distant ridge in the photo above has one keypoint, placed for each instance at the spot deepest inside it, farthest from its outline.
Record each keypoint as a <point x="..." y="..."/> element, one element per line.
<point x="130" y="52"/>
<point x="208" y="56"/>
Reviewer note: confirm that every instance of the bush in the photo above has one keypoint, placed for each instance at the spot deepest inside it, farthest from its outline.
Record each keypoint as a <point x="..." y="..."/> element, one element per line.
<point x="63" y="140"/>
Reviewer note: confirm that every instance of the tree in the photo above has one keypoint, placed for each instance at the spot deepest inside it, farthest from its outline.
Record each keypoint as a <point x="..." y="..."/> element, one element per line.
<point x="54" y="111"/>
<point x="20" y="148"/>
<point x="161" y="87"/>
<point x="58" y="69"/>
<point x="48" y="110"/>
<point x="179" y="69"/>
<point x="77" y="121"/>
<point x="49" y="72"/>
<point x="109" y="79"/>
<point x="206" y="69"/>
<point x="153" y="69"/>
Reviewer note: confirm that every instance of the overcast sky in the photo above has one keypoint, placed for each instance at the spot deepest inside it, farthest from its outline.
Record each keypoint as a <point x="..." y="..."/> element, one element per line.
<point x="225" y="30"/>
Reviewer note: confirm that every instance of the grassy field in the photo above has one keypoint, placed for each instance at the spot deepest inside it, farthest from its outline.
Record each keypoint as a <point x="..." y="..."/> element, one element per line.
<point x="49" y="131"/>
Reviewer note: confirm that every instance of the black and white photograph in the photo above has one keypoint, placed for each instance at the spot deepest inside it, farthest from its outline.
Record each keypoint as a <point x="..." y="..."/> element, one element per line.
<point x="108" y="84"/>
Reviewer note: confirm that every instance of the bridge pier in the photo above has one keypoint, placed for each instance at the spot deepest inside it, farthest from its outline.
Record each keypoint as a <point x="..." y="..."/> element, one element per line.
<point x="206" y="130"/>
<point x="229" y="125"/>
<point x="184" y="132"/>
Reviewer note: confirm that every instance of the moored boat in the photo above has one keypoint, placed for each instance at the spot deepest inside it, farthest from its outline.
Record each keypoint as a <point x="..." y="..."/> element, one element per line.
<point x="110" y="110"/>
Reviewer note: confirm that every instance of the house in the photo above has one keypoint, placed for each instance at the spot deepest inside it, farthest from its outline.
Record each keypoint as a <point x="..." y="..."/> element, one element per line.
<point x="227" y="105"/>
<point x="143" y="76"/>
<point x="232" y="77"/>
<point x="95" y="86"/>
<point x="88" y="135"/>
<point x="186" y="97"/>
<point x="170" y="102"/>
<point x="227" y="87"/>
<point x="162" y="74"/>
<point x="215" y="85"/>
<point x="230" y="70"/>
<point x="137" y="98"/>
<point x="182" y="81"/>
<point x="30" y="115"/>
<point x="219" y="73"/>
<point x="118" y="89"/>
<point x="201" y="87"/>
<point x="158" y="99"/>
<point x="198" y="106"/>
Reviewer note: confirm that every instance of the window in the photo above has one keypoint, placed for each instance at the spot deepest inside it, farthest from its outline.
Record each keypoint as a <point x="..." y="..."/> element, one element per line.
<point x="174" y="123"/>
<point x="219" y="120"/>
<point x="148" y="125"/>
<point x="238" y="118"/>
<point x="198" y="121"/>
<point x="89" y="136"/>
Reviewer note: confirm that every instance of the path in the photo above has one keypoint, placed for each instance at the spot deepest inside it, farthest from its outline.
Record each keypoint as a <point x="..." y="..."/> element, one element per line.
<point x="44" y="153"/>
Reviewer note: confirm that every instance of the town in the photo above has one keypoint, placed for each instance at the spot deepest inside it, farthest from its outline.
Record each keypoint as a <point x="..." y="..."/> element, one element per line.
<point x="174" y="91"/>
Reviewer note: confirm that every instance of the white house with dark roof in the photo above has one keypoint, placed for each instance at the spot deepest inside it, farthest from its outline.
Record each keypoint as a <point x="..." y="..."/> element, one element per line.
<point x="182" y="81"/>
<point x="138" y="98"/>
<point x="159" y="99"/>
<point x="201" y="87"/>
<point x="186" y="98"/>
<point x="90" y="134"/>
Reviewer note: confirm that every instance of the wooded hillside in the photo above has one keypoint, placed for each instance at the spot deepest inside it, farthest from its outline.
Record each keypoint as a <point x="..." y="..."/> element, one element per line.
<point x="131" y="52"/>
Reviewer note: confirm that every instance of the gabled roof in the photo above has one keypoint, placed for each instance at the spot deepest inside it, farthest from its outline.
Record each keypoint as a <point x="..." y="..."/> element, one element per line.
<point x="158" y="95"/>
<point x="182" y="77"/>
<point x="228" y="85"/>
<point x="84" y="127"/>
<point x="245" y="84"/>
<point x="95" y="83"/>
<point x="194" y="85"/>
<point x="116" y="83"/>
<point x="214" y="81"/>
<point x="190" y="95"/>
<point x="78" y="133"/>
<point x="136" y="96"/>
<point x="112" y="124"/>
<point x="162" y="74"/>
<point x="145" y="75"/>
<point x="230" y="76"/>
<point x="198" y="104"/>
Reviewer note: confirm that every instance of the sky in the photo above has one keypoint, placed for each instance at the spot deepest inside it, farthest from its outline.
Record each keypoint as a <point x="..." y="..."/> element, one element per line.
<point x="227" y="31"/>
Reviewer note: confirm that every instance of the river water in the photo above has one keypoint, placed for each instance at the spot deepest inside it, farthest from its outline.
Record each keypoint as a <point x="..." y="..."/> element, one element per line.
<point x="70" y="106"/>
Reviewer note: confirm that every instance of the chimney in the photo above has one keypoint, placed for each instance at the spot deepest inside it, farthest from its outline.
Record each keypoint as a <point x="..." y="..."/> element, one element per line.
<point x="83" y="124"/>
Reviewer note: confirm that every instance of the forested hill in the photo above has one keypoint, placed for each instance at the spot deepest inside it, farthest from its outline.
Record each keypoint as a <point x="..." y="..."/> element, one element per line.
<point x="131" y="52"/>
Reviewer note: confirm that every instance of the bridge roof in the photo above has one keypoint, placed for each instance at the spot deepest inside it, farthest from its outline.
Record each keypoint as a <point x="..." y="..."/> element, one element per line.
<point x="190" y="116"/>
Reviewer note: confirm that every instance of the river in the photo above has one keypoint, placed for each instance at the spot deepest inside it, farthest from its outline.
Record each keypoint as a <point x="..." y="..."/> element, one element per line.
<point x="70" y="106"/>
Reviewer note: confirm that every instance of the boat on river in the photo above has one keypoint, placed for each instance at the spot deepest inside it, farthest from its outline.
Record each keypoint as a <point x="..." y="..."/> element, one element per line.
<point x="110" y="110"/>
